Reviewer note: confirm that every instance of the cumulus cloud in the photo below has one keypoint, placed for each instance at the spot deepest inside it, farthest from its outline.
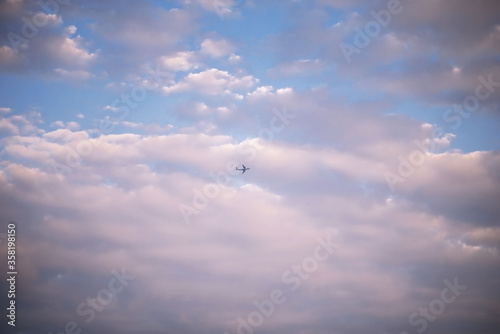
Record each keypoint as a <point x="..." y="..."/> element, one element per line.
<point x="216" y="48"/>
<point x="264" y="91"/>
<point x="261" y="91"/>
<point x="8" y="127"/>
<point x="26" y="124"/>
<point x="233" y="58"/>
<point x="68" y="51"/>
<point x="68" y="125"/>
<point x="61" y="55"/>
<point x="181" y="61"/>
<point x="212" y="82"/>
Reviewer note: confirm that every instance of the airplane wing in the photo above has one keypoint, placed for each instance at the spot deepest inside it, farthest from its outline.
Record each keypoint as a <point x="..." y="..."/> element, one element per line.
<point x="244" y="167"/>
<point x="244" y="171"/>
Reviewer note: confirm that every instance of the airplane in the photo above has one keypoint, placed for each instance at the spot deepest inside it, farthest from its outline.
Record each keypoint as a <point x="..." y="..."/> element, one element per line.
<point x="244" y="169"/>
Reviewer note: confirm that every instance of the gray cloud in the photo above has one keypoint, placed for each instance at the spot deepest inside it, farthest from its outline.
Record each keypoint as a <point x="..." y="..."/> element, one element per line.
<point x="208" y="273"/>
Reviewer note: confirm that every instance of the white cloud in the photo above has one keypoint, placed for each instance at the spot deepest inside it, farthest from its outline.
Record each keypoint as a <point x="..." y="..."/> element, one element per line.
<point x="21" y="124"/>
<point x="7" y="126"/>
<point x="180" y="61"/>
<point x="211" y="82"/>
<point x="73" y="126"/>
<point x="217" y="49"/>
<point x="71" y="30"/>
<point x="73" y="75"/>
<point x="286" y="90"/>
<point x="234" y="58"/>
<point x="109" y="108"/>
<point x="223" y="110"/>
<point x="261" y="91"/>
<point x="266" y="91"/>
<point x="59" y="124"/>
<point x="202" y="108"/>
<point x="69" y="51"/>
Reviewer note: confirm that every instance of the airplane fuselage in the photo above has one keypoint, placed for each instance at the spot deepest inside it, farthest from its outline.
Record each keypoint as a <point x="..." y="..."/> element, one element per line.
<point x="244" y="169"/>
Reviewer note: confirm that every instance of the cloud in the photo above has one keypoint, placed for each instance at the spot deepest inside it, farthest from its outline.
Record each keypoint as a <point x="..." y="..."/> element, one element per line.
<point x="138" y="183"/>
<point x="180" y="61"/>
<point x="68" y="51"/>
<point x="5" y="110"/>
<point x="73" y="75"/>
<point x="264" y="91"/>
<point x="261" y="91"/>
<point x="298" y="67"/>
<point x="6" y="126"/>
<point x="110" y="108"/>
<point x="68" y="125"/>
<point x="216" y="49"/>
<point x="211" y="82"/>
<point x="148" y="128"/>
<point x="223" y="8"/>
<point x="26" y="124"/>
<point x="10" y="7"/>
<point x="71" y="30"/>
<point x="63" y="56"/>
<point x="476" y="171"/>
<point x="9" y="58"/>
<point x="411" y="49"/>
<point x="158" y="196"/>
<point x="162" y="31"/>
<point x="233" y="58"/>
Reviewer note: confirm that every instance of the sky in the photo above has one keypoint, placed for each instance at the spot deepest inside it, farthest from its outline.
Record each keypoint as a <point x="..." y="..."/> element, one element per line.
<point x="370" y="129"/>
